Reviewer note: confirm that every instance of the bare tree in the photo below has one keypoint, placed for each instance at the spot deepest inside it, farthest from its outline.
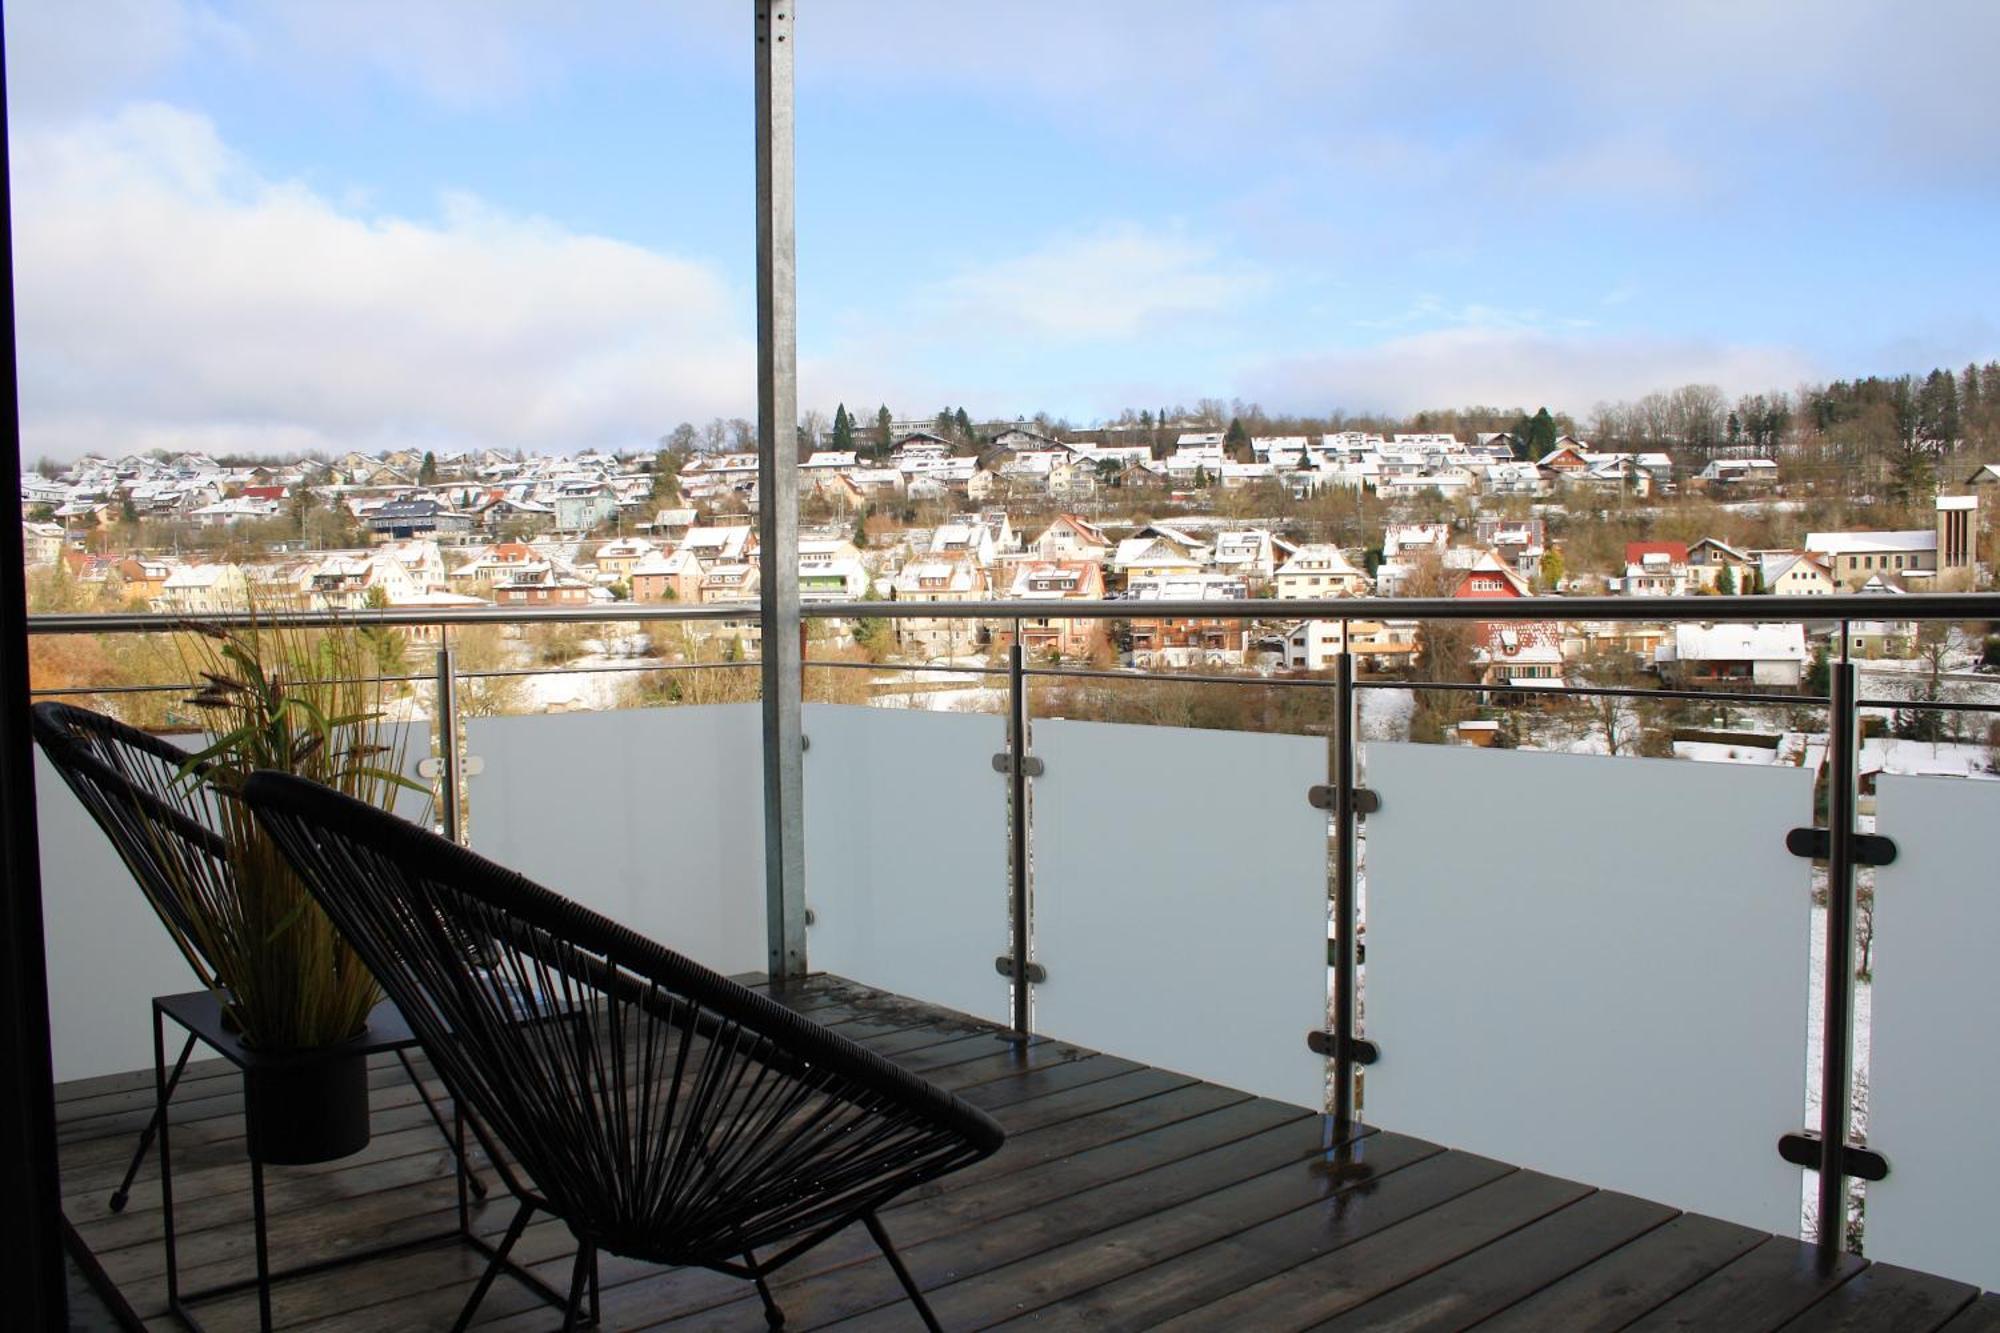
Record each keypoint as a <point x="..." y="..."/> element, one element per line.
<point x="1611" y="716"/>
<point x="1937" y="643"/>
<point x="813" y="428"/>
<point x="1444" y="657"/>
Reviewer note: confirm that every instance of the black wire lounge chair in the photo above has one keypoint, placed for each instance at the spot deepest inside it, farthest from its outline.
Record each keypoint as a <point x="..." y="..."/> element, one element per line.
<point x="663" y="1112"/>
<point x="164" y="822"/>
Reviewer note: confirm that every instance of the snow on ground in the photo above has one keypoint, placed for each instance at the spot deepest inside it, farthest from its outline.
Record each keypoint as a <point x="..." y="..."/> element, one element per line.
<point x="1888" y="754"/>
<point x="573" y="688"/>
<point x="1385" y="714"/>
<point x="966" y="699"/>
<point x="1716" y="752"/>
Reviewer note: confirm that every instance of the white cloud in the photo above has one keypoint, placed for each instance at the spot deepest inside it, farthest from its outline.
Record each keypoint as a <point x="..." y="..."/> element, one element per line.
<point x="1516" y="367"/>
<point x="1114" y="283"/>
<point x="169" y="293"/>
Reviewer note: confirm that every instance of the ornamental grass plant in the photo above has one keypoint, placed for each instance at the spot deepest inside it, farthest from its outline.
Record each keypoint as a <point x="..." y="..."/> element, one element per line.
<point x="304" y="700"/>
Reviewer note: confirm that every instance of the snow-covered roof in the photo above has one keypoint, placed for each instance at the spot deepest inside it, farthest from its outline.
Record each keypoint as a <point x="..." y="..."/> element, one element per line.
<point x="1740" y="643"/>
<point x="1868" y="543"/>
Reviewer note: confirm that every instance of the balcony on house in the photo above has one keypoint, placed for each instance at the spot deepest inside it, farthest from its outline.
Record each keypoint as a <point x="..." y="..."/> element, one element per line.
<point x="1589" y="1003"/>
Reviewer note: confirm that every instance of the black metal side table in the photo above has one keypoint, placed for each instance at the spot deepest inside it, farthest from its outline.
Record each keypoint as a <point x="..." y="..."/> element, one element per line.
<point x="200" y="1014"/>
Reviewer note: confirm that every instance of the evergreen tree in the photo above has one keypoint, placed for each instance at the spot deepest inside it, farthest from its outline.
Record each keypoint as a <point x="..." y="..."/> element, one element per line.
<point x="1541" y="435"/>
<point x="1517" y="435"/>
<point x="1553" y="568"/>
<point x="963" y="424"/>
<point x="1937" y="409"/>
<point x="1725" y="582"/>
<point x="666" y="477"/>
<point x="427" y="473"/>
<point x="843" y="430"/>
<point x="882" y="429"/>
<point x="1819" y="674"/>
<point x="1236" y="441"/>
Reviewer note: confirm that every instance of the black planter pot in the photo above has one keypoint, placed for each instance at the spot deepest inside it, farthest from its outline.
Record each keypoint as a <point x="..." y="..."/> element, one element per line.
<point x="301" y="1110"/>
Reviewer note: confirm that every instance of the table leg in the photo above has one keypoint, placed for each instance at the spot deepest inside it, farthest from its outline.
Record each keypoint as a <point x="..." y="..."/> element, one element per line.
<point x="458" y="1132"/>
<point x="160" y="1095"/>
<point x="263" y="1245"/>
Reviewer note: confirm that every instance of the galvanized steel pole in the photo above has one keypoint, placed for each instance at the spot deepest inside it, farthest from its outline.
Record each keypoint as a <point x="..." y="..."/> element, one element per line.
<point x="777" y="495"/>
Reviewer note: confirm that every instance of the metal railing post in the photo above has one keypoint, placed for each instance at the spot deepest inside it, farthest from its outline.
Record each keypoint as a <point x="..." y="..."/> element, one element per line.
<point x="1017" y="827"/>
<point x="450" y="815"/>
<point x="1837" y="1044"/>
<point x="1344" y="910"/>
<point x="781" y="664"/>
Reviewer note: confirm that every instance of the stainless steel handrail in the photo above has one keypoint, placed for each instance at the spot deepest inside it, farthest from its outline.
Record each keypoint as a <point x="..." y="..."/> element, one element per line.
<point x="1765" y="608"/>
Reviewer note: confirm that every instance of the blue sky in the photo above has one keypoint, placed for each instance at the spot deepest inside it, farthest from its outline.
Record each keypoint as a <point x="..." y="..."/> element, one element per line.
<point x="287" y="225"/>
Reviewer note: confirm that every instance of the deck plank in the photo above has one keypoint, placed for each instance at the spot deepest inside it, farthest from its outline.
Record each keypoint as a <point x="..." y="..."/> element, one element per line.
<point x="1036" y="1169"/>
<point x="1886" y="1299"/>
<point x="1775" y="1282"/>
<point x="1982" y="1316"/>
<point x="862" y="1287"/>
<point x="1126" y="1197"/>
<point x="1611" y="1292"/>
<point x="1045" y="1188"/>
<point x="1211" y="1272"/>
<point x="1495" y="1276"/>
<point x="1326" y="1286"/>
<point x="1032" y="1283"/>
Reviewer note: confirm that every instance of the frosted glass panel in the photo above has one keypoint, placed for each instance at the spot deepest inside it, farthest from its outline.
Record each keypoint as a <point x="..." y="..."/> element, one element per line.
<point x="906" y="852"/>
<point x="1935" y="1079"/>
<point x="1180" y="900"/>
<point x="652" y="816"/>
<point x="108" y="955"/>
<point x="1595" y="967"/>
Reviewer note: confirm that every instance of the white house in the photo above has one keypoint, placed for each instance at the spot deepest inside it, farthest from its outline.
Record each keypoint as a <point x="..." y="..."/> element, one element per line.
<point x="1319" y="570"/>
<point x="1734" y="656"/>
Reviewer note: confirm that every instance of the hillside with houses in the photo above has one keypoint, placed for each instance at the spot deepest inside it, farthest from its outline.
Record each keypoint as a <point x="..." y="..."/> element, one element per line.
<point x="1045" y="518"/>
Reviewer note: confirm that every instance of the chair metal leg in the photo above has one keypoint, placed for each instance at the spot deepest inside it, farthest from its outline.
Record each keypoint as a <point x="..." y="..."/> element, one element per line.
<point x="773" y="1316"/>
<point x="902" y="1273"/>
<point x="123" y="1194"/>
<point x="456" y="1142"/>
<point x="579" y="1282"/>
<point x="514" y="1230"/>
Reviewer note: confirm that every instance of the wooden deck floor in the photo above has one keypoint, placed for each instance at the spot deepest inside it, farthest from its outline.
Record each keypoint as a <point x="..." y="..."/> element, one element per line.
<point x="1126" y="1197"/>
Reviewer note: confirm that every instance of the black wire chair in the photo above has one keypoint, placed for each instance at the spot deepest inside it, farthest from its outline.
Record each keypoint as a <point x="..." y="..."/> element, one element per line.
<point x="662" y="1111"/>
<point x="164" y="820"/>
